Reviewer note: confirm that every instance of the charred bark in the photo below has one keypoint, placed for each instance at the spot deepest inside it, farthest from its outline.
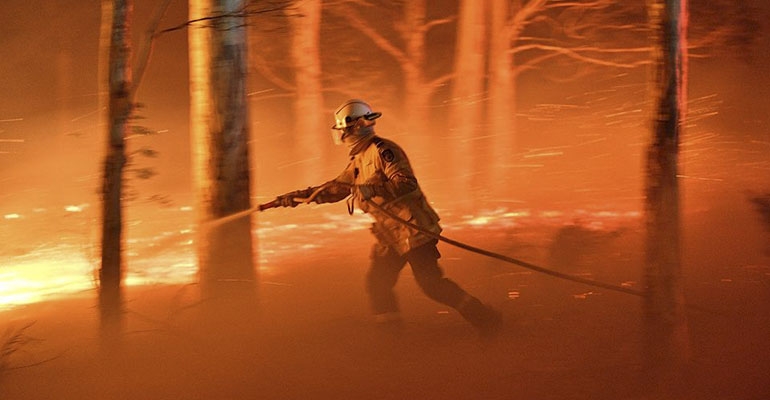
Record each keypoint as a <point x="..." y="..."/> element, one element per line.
<point x="119" y="109"/>
<point x="666" y="342"/>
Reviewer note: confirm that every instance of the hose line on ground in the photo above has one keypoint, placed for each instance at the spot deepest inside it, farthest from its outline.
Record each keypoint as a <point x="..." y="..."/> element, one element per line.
<point x="507" y="259"/>
<point x="536" y="268"/>
<point x="439" y="237"/>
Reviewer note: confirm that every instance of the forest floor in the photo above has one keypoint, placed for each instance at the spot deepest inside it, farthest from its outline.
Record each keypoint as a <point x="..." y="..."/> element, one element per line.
<point x="308" y="334"/>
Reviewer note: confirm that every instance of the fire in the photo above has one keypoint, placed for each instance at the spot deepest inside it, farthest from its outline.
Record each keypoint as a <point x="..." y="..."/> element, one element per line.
<point x="33" y="279"/>
<point x="168" y="256"/>
<point x="56" y="273"/>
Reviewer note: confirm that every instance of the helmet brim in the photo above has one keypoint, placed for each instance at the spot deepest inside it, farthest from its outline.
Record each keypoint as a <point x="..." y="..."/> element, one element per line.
<point x="369" y="117"/>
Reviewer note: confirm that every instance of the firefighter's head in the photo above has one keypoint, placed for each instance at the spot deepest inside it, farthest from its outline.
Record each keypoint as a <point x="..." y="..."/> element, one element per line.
<point x="353" y="121"/>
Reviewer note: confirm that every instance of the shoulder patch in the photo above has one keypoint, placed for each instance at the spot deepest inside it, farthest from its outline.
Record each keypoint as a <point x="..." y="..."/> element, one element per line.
<point x="388" y="155"/>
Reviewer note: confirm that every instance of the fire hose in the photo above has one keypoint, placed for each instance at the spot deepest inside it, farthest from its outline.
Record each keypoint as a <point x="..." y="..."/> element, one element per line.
<point x="530" y="266"/>
<point x="473" y="249"/>
<point x="590" y="282"/>
<point x="507" y="259"/>
<point x="533" y="267"/>
<point x="276" y="203"/>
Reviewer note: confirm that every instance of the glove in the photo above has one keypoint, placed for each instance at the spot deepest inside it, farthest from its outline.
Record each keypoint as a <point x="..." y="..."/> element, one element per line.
<point x="286" y="200"/>
<point x="365" y="192"/>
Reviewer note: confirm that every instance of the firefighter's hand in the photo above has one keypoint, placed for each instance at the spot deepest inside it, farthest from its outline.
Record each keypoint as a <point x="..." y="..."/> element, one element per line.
<point x="365" y="192"/>
<point x="286" y="200"/>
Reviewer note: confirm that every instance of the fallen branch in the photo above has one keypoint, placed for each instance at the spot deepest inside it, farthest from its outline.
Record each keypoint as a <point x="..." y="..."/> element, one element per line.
<point x="12" y="342"/>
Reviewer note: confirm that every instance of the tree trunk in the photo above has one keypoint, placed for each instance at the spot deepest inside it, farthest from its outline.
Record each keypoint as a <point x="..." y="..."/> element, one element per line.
<point x="312" y="142"/>
<point x="501" y="115"/>
<point x="666" y="341"/>
<point x="119" y="108"/>
<point x="417" y="95"/>
<point x="413" y="33"/>
<point x="220" y="139"/>
<point x="412" y="29"/>
<point x="468" y="93"/>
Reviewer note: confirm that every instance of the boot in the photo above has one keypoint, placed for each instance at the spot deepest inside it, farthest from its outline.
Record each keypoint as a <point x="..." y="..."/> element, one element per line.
<point x="484" y="318"/>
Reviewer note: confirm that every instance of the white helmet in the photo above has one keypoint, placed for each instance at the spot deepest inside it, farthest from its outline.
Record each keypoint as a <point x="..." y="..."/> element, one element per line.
<point x="348" y="113"/>
<point x="352" y="110"/>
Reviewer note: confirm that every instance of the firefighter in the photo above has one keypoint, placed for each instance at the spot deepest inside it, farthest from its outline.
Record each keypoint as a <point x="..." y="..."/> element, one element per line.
<point x="379" y="172"/>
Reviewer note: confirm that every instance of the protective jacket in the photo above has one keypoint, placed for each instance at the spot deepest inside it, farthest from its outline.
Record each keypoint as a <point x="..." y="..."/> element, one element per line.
<point x="383" y="166"/>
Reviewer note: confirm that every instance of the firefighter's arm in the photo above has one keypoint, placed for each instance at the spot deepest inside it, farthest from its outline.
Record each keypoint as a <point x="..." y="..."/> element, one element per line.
<point x="338" y="188"/>
<point x="293" y="199"/>
<point x="399" y="178"/>
<point x="330" y="192"/>
<point x="400" y="184"/>
<point x="396" y="186"/>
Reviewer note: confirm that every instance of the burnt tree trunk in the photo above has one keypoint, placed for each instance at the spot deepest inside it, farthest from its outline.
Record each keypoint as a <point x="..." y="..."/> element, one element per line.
<point x="666" y="342"/>
<point x="119" y="109"/>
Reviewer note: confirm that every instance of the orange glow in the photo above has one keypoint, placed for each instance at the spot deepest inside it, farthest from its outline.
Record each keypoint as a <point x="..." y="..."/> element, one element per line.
<point x="530" y="142"/>
<point x="55" y="273"/>
<point x="168" y="257"/>
<point x="42" y="276"/>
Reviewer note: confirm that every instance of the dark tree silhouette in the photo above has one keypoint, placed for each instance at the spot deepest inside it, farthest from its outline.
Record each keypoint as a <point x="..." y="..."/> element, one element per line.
<point x="116" y="17"/>
<point x="666" y="345"/>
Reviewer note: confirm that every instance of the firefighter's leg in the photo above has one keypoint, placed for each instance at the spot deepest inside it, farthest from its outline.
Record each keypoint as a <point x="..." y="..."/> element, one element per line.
<point x="382" y="276"/>
<point x="485" y="318"/>
<point x="430" y="277"/>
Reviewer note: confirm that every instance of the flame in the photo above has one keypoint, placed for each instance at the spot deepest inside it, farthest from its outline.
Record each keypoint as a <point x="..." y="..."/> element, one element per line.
<point x="37" y="279"/>
<point x="168" y="257"/>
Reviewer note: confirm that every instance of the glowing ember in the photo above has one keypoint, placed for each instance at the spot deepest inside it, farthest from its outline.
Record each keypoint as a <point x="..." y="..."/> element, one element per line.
<point x="479" y="221"/>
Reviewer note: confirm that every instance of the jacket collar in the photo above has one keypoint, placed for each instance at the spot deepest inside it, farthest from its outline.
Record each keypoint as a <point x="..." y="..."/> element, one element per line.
<point x="361" y="145"/>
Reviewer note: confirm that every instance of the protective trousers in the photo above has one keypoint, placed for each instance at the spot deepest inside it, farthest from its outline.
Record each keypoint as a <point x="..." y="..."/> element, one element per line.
<point x="383" y="275"/>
